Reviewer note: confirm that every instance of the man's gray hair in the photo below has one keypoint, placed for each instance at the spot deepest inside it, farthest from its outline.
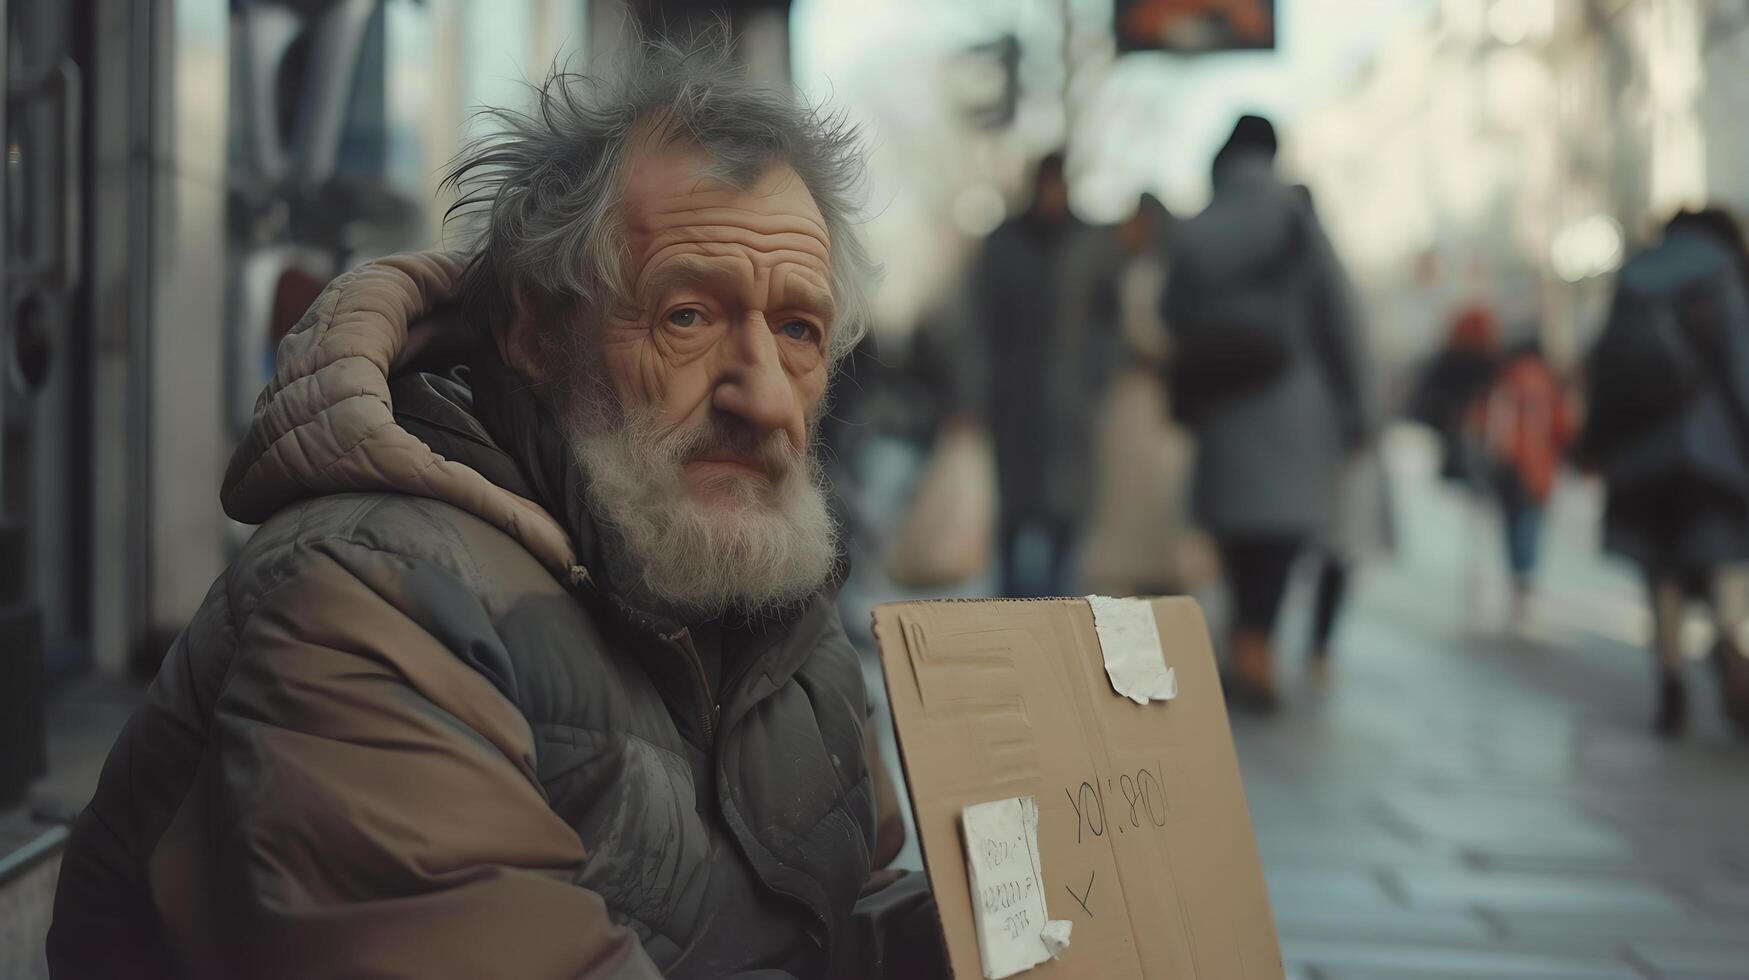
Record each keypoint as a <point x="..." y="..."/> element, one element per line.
<point x="546" y="186"/>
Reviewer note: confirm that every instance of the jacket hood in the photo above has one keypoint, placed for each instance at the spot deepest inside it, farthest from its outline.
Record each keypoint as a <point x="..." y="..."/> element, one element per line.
<point x="1251" y="218"/>
<point x="325" y="424"/>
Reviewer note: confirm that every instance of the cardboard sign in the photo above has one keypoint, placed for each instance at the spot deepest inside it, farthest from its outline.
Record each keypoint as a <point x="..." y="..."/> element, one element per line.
<point x="1144" y="842"/>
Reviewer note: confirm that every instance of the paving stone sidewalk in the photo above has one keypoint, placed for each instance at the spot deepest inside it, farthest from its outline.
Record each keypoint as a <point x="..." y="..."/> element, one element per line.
<point x="1463" y="802"/>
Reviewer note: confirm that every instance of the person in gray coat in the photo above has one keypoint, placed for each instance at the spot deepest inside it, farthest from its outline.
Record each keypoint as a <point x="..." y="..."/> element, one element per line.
<point x="1266" y="370"/>
<point x="1668" y="430"/>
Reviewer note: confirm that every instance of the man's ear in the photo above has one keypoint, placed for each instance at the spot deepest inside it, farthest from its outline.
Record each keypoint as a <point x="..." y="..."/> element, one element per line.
<point x="519" y="345"/>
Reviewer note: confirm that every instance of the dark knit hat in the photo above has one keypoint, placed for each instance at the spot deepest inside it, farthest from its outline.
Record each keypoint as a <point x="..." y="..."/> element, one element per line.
<point x="1252" y="135"/>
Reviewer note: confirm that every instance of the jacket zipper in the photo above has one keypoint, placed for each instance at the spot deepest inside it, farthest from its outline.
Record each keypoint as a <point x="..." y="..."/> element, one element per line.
<point x="579" y="577"/>
<point x="821" y="928"/>
<point x="706" y="706"/>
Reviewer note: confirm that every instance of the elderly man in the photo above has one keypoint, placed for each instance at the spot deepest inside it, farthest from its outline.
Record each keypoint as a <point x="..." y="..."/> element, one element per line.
<point x="537" y="674"/>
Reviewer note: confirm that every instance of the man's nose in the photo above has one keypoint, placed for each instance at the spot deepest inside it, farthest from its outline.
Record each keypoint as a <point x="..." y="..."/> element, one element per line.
<point x="753" y="385"/>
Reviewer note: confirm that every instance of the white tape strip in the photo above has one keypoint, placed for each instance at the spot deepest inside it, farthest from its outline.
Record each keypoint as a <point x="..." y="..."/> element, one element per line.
<point x="1008" y="891"/>
<point x="1130" y="641"/>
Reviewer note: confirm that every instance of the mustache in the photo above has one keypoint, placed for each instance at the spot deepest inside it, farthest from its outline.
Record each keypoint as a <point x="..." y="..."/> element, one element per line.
<point x="770" y="450"/>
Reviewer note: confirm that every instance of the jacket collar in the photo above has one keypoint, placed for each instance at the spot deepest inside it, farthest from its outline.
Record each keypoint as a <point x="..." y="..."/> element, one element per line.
<point x="517" y="420"/>
<point x="484" y="415"/>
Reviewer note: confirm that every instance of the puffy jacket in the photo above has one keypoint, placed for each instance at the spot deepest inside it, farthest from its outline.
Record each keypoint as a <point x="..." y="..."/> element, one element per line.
<point x="414" y="731"/>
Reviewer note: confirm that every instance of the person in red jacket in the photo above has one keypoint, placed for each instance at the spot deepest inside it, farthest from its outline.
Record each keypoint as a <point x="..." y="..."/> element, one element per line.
<point x="1523" y="423"/>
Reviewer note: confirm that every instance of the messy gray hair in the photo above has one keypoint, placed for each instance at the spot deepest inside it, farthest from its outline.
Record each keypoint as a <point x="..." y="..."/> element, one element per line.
<point x="545" y="187"/>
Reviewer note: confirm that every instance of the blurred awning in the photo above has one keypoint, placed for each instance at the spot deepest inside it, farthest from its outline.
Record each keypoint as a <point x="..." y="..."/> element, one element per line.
<point x="1195" y="25"/>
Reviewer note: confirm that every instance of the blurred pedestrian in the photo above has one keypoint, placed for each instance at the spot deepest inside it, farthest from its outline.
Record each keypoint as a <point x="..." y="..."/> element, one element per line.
<point x="1265" y="368"/>
<point x="1451" y="382"/>
<point x="1044" y="300"/>
<point x="1522" y="425"/>
<point x="1137" y="544"/>
<point x="1668" y="430"/>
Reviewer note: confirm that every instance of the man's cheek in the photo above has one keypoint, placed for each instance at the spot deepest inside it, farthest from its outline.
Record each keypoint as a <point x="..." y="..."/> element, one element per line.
<point x="634" y="372"/>
<point x="811" y="392"/>
<point x="679" y="394"/>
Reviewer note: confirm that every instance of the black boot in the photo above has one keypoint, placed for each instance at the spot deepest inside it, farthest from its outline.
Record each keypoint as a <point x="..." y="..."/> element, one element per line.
<point x="1672" y="717"/>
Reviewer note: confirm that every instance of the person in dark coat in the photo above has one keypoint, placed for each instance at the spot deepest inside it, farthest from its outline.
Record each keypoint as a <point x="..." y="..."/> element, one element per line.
<point x="1678" y="476"/>
<point x="1045" y="339"/>
<point x="1449" y="385"/>
<point x="1266" y="369"/>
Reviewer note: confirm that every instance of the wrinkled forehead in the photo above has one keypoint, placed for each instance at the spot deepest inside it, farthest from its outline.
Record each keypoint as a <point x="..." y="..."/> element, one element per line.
<point x="671" y="188"/>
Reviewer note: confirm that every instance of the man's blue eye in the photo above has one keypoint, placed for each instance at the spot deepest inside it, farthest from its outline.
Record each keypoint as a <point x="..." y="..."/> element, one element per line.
<point x="683" y="318"/>
<point x="797" y="330"/>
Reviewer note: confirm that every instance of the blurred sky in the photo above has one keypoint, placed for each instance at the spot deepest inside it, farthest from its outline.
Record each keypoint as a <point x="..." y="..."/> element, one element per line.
<point x="1147" y="122"/>
<point x="1143" y="122"/>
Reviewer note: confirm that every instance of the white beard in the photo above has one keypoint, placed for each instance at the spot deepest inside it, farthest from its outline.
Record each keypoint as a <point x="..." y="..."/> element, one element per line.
<point x="735" y="544"/>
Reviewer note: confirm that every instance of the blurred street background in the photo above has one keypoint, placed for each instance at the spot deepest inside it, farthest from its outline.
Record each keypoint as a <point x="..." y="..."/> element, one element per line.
<point x="1453" y="707"/>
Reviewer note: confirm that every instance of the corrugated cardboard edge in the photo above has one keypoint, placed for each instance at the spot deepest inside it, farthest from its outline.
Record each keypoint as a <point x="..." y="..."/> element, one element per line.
<point x="896" y="611"/>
